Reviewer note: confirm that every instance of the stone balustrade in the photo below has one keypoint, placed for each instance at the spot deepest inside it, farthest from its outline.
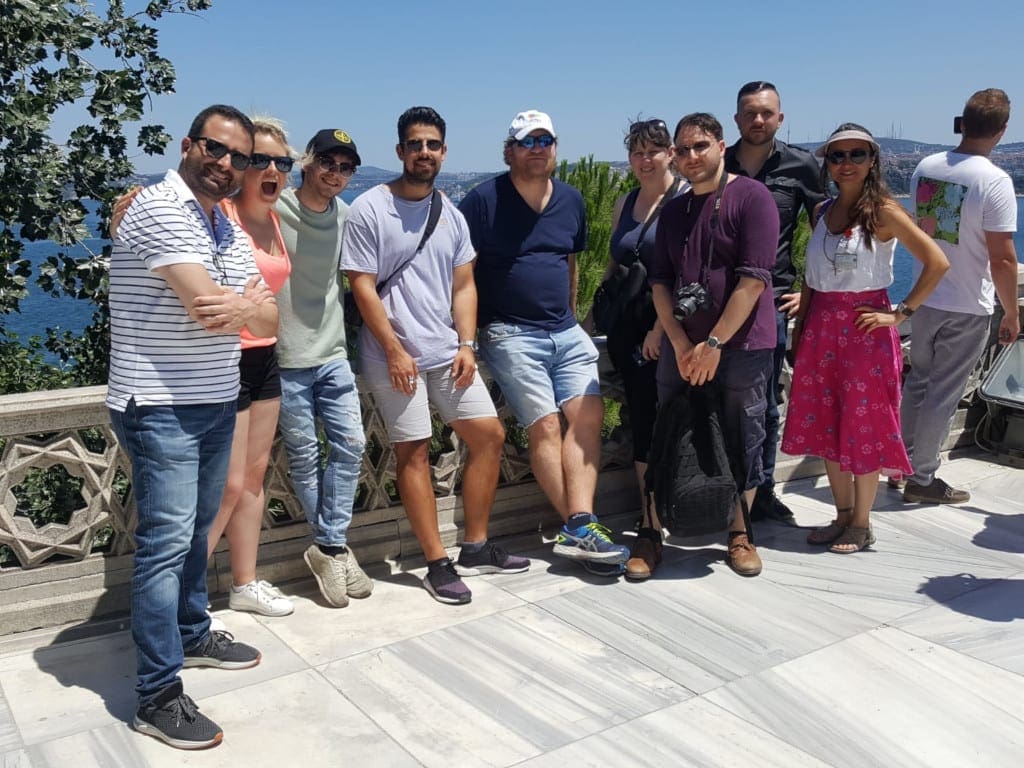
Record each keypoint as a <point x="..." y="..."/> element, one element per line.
<point x="79" y="568"/>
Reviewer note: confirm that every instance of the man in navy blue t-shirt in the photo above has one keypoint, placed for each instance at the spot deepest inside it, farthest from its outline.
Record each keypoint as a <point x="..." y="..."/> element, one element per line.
<point x="527" y="229"/>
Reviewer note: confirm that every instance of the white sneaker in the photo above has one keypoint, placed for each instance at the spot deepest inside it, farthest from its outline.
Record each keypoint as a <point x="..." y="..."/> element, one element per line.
<point x="260" y="597"/>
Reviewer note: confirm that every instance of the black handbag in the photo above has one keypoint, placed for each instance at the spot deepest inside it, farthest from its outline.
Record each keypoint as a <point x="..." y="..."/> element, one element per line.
<point x="617" y="296"/>
<point x="613" y="297"/>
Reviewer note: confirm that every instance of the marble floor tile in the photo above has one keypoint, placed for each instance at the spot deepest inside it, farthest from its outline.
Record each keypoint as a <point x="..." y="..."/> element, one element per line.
<point x="399" y="608"/>
<point x="986" y="622"/>
<point x="702" y="632"/>
<point x="292" y="721"/>
<point x="993" y="527"/>
<point x="113" y="746"/>
<point x="10" y="739"/>
<point x="499" y="689"/>
<point x="65" y="688"/>
<point x="17" y="759"/>
<point x="1006" y="484"/>
<point x="692" y="734"/>
<point x="548" y="575"/>
<point x="886" y="698"/>
<point x="884" y="582"/>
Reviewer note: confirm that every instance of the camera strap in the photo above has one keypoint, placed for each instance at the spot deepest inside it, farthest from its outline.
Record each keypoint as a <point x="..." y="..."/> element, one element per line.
<point x="705" y="267"/>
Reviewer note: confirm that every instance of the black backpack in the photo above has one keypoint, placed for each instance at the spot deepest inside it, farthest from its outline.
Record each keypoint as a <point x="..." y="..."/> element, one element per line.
<point x="688" y="467"/>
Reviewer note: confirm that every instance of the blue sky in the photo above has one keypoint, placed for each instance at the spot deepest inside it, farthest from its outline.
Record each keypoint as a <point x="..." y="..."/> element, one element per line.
<point x="899" y="68"/>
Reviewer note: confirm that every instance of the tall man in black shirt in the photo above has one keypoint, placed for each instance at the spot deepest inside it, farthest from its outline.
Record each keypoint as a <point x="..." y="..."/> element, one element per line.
<point x="792" y="175"/>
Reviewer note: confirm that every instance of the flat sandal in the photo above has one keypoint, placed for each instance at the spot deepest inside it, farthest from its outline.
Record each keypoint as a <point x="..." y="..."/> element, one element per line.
<point x="826" y="535"/>
<point x="860" y="538"/>
<point x="830" y="532"/>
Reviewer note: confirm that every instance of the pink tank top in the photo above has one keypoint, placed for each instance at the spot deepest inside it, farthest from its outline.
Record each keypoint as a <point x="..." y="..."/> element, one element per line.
<point x="274" y="268"/>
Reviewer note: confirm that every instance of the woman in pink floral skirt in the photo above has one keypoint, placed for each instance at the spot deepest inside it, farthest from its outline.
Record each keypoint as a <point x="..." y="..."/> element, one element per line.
<point x="845" y="399"/>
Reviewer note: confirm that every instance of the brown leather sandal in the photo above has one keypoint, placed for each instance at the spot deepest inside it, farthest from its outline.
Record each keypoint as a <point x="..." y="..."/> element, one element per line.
<point x="830" y="532"/>
<point x="858" y="538"/>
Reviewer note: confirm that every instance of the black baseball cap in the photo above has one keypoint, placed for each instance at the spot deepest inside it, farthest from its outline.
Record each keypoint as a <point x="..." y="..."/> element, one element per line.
<point x="331" y="139"/>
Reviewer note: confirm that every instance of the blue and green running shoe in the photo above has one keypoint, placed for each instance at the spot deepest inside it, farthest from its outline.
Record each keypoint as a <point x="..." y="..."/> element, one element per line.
<point x="590" y="542"/>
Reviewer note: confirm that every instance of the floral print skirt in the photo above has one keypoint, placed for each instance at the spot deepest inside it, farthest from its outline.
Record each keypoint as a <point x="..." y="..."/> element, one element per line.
<point x="844" y="404"/>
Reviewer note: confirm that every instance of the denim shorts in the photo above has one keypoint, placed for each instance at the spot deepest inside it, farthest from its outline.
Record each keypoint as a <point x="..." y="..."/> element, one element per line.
<point x="539" y="371"/>
<point x="407" y="417"/>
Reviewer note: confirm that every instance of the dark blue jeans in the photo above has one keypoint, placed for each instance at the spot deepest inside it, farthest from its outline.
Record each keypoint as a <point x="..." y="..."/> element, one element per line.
<point x="771" y="414"/>
<point x="179" y="459"/>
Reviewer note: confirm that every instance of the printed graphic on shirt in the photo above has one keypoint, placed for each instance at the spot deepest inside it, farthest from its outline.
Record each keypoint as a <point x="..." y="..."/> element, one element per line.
<point x="938" y="208"/>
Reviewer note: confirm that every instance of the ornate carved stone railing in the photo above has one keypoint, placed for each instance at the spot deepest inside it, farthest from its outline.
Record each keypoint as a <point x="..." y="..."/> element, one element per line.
<point x="78" y="567"/>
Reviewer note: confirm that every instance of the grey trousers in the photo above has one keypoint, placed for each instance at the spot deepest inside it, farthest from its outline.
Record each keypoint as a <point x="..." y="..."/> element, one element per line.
<point x="944" y="348"/>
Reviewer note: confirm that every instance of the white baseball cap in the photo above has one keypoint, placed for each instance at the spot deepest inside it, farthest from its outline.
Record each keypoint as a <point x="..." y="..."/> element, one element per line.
<point x="529" y="121"/>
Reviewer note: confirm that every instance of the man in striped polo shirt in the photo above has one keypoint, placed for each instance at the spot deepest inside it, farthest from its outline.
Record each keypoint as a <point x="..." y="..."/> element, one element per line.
<point x="182" y="284"/>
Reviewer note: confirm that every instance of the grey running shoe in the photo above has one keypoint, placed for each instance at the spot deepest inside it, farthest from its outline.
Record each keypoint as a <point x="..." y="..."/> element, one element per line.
<point x="331" y="574"/>
<point x="220" y="650"/>
<point x="175" y="719"/>
<point x="490" y="559"/>
<point x="936" y="492"/>
<point x="358" y="584"/>
<point x="443" y="582"/>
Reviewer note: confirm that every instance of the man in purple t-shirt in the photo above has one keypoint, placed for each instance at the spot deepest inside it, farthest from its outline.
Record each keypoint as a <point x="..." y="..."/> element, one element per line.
<point x="718" y="241"/>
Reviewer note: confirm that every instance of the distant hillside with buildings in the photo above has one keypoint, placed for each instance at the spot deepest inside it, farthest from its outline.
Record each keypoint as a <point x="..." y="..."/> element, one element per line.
<point x="899" y="158"/>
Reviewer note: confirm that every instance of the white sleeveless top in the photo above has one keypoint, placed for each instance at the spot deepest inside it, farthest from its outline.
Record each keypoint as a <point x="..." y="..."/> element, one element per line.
<point x="844" y="263"/>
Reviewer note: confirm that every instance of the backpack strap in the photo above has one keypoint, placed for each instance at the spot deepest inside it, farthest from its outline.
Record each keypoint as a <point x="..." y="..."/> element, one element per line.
<point x="433" y="217"/>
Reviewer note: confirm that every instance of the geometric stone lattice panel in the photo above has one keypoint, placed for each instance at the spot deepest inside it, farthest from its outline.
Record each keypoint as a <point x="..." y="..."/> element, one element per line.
<point x="105" y="503"/>
<point x="97" y="505"/>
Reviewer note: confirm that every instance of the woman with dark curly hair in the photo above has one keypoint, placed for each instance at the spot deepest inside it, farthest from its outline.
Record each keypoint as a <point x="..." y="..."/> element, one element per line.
<point x="845" y="398"/>
<point x="634" y="344"/>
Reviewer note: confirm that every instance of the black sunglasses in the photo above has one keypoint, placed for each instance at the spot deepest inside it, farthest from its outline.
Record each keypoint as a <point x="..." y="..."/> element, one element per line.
<point x="641" y="124"/>
<point x="544" y="141"/>
<point x="329" y="166"/>
<point x="259" y="161"/>
<point x="239" y="160"/>
<point x="855" y="156"/>
<point x="698" y="148"/>
<point x="416" y="145"/>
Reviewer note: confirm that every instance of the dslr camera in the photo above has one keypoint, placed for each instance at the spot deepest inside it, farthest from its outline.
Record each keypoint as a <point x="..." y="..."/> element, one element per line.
<point x="689" y="300"/>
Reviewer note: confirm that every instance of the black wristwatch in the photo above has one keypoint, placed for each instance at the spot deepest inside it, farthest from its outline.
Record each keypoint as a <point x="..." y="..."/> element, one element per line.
<point x="904" y="310"/>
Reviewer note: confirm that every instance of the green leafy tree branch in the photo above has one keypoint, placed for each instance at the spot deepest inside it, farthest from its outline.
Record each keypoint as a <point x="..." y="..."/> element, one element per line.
<point x="58" y="58"/>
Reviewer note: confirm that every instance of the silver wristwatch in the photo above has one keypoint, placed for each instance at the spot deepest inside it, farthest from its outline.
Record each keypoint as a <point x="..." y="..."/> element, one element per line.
<point x="904" y="310"/>
<point x="713" y="342"/>
<point x="468" y="343"/>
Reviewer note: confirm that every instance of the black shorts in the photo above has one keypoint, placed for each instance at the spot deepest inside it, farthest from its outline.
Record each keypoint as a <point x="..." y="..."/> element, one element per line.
<point x="261" y="379"/>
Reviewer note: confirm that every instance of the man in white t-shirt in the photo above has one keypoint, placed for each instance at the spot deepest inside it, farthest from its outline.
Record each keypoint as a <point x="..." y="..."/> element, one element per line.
<point x="967" y="205"/>
<point x="182" y="284"/>
<point x="409" y="258"/>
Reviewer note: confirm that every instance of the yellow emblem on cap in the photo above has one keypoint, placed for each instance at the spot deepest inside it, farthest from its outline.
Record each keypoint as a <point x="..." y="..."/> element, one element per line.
<point x="343" y="137"/>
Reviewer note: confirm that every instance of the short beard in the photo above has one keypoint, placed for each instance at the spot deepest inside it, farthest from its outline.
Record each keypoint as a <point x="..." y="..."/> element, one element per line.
<point x="424" y="179"/>
<point x="754" y="143"/>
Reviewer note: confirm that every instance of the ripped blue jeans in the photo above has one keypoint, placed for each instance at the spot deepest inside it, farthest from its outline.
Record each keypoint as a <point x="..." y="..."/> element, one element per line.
<point x="326" y="394"/>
